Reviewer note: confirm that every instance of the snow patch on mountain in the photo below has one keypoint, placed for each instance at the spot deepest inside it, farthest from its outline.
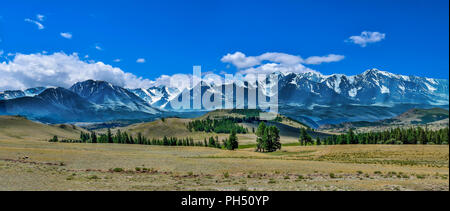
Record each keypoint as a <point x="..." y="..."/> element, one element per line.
<point x="432" y="81"/>
<point x="12" y="94"/>
<point x="353" y="92"/>
<point x="384" y="90"/>
<point x="430" y="88"/>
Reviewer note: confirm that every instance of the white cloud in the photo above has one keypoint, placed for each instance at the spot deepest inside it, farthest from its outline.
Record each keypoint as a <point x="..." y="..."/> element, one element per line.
<point x="281" y="58"/>
<point x="98" y="47"/>
<point x="38" y="24"/>
<point x="276" y="67"/>
<point x="240" y="60"/>
<point x="367" y="37"/>
<point x="66" y="35"/>
<point x="60" y="69"/>
<point x="40" y="17"/>
<point x="140" y="60"/>
<point x="117" y="60"/>
<point x="182" y="81"/>
<point x="324" y="59"/>
<point x="276" y="62"/>
<point x="165" y="80"/>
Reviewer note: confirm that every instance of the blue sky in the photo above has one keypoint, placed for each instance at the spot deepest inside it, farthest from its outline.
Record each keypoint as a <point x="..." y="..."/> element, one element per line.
<point x="172" y="36"/>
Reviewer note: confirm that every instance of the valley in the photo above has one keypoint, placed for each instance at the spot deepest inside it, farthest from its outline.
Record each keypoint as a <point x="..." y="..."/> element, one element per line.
<point x="433" y="118"/>
<point x="28" y="161"/>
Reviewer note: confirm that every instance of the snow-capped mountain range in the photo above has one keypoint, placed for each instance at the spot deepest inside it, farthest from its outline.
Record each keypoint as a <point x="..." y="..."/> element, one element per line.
<point x="373" y="87"/>
<point x="84" y="101"/>
<point x="112" y="97"/>
<point x="310" y="97"/>
<point x="158" y="96"/>
<point x="11" y="94"/>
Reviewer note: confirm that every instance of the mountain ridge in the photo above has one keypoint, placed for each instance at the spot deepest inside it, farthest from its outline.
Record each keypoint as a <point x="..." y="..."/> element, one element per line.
<point x="309" y="97"/>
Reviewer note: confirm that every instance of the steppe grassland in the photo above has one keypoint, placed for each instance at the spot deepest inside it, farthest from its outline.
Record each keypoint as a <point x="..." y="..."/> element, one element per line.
<point x="38" y="165"/>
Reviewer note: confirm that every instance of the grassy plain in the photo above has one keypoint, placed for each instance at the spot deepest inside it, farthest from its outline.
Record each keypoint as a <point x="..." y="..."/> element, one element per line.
<point x="39" y="165"/>
<point x="29" y="162"/>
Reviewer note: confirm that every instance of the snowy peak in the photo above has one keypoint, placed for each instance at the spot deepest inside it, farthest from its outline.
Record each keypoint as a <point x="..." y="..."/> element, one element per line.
<point x="380" y="74"/>
<point x="372" y="87"/>
<point x="157" y="96"/>
<point x="373" y="71"/>
<point x="144" y="94"/>
<point x="313" y="76"/>
<point x="12" y="94"/>
<point x="111" y="96"/>
<point x="57" y="94"/>
<point x="63" y="98"/>
<point x="376" y="72"/>
<point x="34" y="91"/>
<point x="96" y="91"/>
<point x="380" y="87"/>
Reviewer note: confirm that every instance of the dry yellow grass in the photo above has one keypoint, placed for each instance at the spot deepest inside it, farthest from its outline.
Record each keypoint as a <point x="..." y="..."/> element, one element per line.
<point x="37" y="165"/>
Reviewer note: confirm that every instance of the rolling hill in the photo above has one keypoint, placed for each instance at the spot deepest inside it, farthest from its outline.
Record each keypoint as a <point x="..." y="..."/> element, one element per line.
<point x="250" y="113"/>
<point x="432" y="118"/>
<point x="20" y="128"/>
<point x="171" y="127"/>
<point x="420" y="116"/>
<point x="176" y="127"/>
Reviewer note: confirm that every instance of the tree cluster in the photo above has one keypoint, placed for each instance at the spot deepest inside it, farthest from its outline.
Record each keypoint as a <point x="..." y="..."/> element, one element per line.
<point x="231" y="143"/>
<point x="125" y="138"/>
<point x="305" y="138"/>
<point x="217" y="125"/>
<point x="268" y="138"/>
<point x="416" y="135"/>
